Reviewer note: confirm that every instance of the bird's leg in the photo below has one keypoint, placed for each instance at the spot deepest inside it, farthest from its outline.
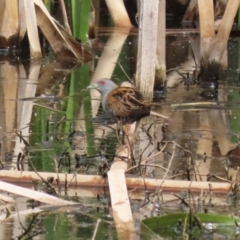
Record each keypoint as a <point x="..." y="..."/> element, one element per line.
<point x="118" y="132"/>
<point x="130" y="147"/>
<point x="128" y="138"/>
<point x="123" y="134"/>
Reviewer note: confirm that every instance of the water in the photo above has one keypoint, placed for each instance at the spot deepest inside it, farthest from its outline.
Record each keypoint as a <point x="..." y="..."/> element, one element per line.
<point x="47" y="112"/>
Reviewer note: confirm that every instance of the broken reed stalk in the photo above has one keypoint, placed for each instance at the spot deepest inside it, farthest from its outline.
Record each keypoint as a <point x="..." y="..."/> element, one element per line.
<point x="147" y="45"/>
<point x="65" y="17"/>
<point x="161" y="45"/>
<point x="9" y="23"/>
<point x="225" y="28"/>
<point x="32" y="29"/>
<point x="213" y="48"/>
<point x="19" y="17"/>
<point x="118" y="13"/>
<point x="98" y="181"/>
<point x="38" y="196"/>
<point x="207" y="32"/>
<point x="122" y="212"/>
<point x="191" y="11"/>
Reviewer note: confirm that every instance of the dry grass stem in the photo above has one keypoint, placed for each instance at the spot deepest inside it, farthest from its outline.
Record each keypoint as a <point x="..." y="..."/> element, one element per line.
<point x="38" y="196"/>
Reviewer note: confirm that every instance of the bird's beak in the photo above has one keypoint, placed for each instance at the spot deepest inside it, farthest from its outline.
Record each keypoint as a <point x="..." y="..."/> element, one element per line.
<point x="92" y="86"/>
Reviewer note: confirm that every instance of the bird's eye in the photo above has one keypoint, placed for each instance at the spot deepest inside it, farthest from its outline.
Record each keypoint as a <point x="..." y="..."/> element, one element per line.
<point x="102" y="82"/>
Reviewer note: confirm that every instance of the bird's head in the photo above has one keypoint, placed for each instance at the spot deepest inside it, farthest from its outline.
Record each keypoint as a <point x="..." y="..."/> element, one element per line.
<point x="104" y="85"/>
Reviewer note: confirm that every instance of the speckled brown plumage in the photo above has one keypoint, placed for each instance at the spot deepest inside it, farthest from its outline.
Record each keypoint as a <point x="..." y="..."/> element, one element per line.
<point x="126" y="104"/>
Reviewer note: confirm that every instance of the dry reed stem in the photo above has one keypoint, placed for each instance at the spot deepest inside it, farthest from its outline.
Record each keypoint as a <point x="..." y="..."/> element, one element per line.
<point x="207" y="32"/>
<point x="38" y="196"/>
<point x="122" y="213"/>
<point x="32" y="29"/>
<point x="161" y="45"/>
<point x="191" y="11"/>
<point x="224" y="31"/>
<point x="118" y="13"/>
<point x="98" y="181"/>
<point x="147" y="45"/>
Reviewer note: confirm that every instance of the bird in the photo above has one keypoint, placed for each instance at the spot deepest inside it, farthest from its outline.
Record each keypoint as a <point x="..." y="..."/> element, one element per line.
<point x="126" y="104"/>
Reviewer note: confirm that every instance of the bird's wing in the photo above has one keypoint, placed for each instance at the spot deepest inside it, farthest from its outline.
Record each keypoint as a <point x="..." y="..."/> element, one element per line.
<point x="126" y="102"/>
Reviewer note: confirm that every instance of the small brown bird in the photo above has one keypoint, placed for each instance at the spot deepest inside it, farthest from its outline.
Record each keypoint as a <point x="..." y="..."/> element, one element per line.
<point x="126" y="104"/>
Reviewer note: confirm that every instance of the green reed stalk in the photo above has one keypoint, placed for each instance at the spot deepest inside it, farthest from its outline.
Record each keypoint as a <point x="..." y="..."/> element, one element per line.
<point x="80" y="18"/>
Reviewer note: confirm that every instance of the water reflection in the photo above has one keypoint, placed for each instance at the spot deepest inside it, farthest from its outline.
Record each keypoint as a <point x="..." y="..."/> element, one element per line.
<point x="47" y="115"/>
<point x="60" y="223"/>
<point x="48" y="105"/>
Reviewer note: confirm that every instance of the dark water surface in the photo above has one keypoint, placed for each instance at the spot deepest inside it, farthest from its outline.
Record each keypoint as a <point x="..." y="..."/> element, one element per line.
<point x="47" y="112"/>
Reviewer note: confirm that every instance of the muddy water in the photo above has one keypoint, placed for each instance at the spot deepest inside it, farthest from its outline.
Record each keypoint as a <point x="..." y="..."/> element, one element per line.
<point x="50" y="120"/>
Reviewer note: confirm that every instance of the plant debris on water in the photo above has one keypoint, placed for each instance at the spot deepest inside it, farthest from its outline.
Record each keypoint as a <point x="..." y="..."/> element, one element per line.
<point x="182" y="170"/>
